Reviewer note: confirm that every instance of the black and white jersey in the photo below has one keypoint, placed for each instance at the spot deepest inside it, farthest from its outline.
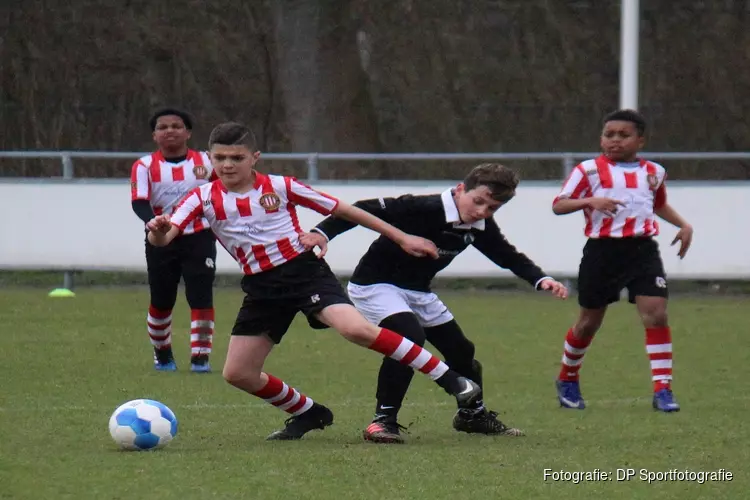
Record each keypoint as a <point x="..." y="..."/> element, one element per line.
<point x="434" y="217"/>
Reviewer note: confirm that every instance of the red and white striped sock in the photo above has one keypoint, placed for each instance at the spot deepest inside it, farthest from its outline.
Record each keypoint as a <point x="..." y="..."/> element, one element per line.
<point x="283" y="397"/>
<point x="160" y="328"/>
<point x="201" y="331"/>
<point x="573" y="352"/>
<point x="659" y="349"/>
<point x="406" y="352"/>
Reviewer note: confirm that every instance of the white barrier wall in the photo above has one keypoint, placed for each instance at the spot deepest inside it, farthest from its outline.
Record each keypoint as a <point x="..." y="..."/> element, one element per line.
<point x="90" y="226"/>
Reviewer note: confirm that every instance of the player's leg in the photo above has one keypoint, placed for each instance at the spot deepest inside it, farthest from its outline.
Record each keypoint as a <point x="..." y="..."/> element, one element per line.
<point x="386" y="305"/>
<point x="459" y="352"/>
<point x="345" y="319"/>
<point x="259" y="326"/>
<point x="198" y="254"/>
<point x="325" y="303"/>
<point x="163" y="268"/>
<point x="650" y="294"/>
<point x="600" y="279"/>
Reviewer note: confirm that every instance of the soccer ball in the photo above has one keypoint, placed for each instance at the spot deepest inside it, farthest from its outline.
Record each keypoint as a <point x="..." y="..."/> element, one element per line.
<point x="142" y="424"/>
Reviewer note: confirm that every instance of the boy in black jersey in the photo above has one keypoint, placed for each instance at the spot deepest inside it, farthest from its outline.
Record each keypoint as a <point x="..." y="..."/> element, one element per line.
<point x="392" y="289"/>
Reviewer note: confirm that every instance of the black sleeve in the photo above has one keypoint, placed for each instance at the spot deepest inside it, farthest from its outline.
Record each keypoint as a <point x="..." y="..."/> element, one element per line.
<point x="388" y="209"/>
<point x="142" y="209"/>
<point x="495" y="247"/>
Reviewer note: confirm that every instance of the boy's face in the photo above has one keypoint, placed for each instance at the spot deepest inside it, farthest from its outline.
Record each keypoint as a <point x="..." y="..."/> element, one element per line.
<point x="476" y="204"/>
<point x="233" y="164"/>
<point x="170" y="132"/>
<point x="620" y="141"/>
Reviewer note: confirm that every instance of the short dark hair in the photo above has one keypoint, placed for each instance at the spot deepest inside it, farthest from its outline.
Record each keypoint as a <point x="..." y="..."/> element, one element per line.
<point x="184" y="116"/>
<point x="233" y="134"/>
<point x="499" y="179"/>
<point x="628" y="115"/>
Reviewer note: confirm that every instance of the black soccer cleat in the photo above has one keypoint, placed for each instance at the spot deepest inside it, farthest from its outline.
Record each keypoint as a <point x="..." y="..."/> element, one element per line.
<point x="482" y="422"/>
<point x="384" y="431"/>
<point x="469" y="393"/>
<point x="317" y="417"/>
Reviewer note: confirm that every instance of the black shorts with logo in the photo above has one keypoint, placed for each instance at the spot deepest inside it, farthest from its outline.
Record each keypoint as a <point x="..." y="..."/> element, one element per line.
<point x="273" y="298"/>
<point x="191" y="257"/>
<point x="611" y="264"/>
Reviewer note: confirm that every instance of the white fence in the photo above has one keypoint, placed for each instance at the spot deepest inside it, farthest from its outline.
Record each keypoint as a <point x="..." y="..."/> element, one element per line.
<point x="90" y="226"/>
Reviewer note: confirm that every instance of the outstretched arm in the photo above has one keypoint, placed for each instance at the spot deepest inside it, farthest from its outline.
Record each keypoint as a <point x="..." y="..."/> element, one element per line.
<point x="684" y="235"/>
<point x="332" y="226"/>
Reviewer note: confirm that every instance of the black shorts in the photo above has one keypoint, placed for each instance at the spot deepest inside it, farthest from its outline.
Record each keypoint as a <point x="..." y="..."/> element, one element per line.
<point x="273" y="298"/>
<point x="187" y="256"/>
<point x="611" y="264"/>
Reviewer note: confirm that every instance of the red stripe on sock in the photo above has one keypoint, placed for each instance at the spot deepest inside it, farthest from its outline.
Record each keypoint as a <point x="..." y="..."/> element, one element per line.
<point x="159" y="313"/>
<point x="430" y="365"/>
<point x="271" y="389"/>
<point x="299" y="405"/>
<point x="202" y="314"/>
<point x="658" y="335"/>
<point x="411" y="355"/>
<point x="386" y="342"/>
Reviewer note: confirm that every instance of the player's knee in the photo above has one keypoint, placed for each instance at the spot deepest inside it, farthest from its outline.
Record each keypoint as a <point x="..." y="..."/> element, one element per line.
<point x="587" y="325"/>
<point x="242" y="377"/>
<point x="654" y="317"/>
<point x="407" y="325"/>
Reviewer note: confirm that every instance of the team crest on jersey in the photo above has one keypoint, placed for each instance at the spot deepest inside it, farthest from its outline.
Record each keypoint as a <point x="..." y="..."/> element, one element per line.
<point x="653" y="181"/>
<point x="468" y="238"/>
<point x="270" y="201"/>
<point x="200" y="172"/>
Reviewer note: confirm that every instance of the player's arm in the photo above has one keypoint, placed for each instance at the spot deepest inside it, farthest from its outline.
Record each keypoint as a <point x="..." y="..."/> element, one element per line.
<point x="140" y="192"/>
<point x="325" y="204"/>
<point x="386" y="209"/>
<point x="492" y="243"/>
<point x="665" y="211"/>
<point x="413" y="245"/>
<point x="576" y="195"/>
<point x="163" y="228"/>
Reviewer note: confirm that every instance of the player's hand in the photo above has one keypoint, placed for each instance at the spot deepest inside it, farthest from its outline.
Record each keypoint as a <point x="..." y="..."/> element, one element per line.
<point x="685" y="237"/>
<point x="159" y="224"/>
<point x="554" y="287"/>
<point x="607" y="205"/>
<point x="314" y="239"/>
<point x="419" y="247"/>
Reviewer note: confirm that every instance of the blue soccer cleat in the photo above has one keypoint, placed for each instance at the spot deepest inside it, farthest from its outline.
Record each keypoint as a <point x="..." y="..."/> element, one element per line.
<point x="664" y="401"/>
<point x="569" y="395"/>
<point x="200" y="367"/>
<point x="169" y="366"/>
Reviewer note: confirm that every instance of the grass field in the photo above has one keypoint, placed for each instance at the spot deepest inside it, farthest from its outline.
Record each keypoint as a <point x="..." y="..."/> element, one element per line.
<point x="67" y="363"/>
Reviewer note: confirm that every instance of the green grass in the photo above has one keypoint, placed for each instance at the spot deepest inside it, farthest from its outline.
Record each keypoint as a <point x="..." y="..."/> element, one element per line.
<point x="67" y="363"/>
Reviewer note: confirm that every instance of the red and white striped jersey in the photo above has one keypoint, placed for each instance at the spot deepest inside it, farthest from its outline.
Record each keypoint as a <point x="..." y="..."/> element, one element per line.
<point x="164" y="184"/>
<point x="259" y="228"/>
<point x="640" y="185"/>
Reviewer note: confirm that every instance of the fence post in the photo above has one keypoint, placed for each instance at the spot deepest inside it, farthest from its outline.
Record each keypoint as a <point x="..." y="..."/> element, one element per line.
<point x="312" y="167"/>
<point x="68" y="173"/>
<point x="568" y="162"/>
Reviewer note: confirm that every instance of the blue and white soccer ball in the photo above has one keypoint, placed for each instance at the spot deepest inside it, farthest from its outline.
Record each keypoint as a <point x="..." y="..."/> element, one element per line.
<point x="142" y="424"/>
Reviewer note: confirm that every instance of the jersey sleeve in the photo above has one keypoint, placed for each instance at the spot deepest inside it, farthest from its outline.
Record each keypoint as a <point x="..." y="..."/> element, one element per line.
<point x="492" y="243"/>
<point x="189" y="209"/>
<point x="212" y="175"/>
<point x="576" y="186"/>
<point x="660" y="196"/>
<point x="140" y="185"/>
<point x="301" y="194"/>
<point x="387" y="209"/>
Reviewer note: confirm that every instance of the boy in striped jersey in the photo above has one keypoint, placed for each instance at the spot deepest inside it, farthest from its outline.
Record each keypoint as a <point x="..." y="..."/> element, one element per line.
<point x="620" y="196"/>
<point x="158" y="182"/>
<point x="254" y="216"/>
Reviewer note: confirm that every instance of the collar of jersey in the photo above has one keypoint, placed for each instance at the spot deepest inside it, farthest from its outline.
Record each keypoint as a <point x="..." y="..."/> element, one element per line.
<point x="451" y="212"/>
<point x="638" y="162"/>
<point x="260" y="179"/>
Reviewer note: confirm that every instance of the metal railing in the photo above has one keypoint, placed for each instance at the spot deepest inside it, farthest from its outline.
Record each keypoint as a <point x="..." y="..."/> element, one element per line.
<point x="567" y="160"/>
